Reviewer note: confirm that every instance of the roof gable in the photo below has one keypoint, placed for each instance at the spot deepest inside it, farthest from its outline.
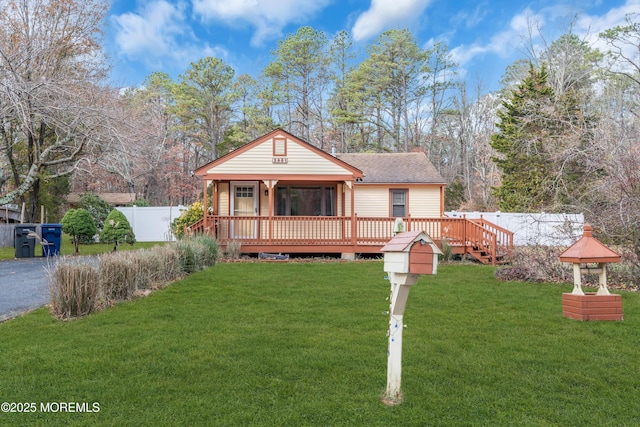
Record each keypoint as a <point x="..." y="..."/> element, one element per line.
<point x="259" y="157"/>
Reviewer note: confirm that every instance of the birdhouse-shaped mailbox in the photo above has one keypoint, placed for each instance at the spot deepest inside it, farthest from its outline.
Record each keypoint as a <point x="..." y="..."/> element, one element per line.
<point x="406" y="257"/>
<point x="589" y="256"/>
<point x="411" y="252"/>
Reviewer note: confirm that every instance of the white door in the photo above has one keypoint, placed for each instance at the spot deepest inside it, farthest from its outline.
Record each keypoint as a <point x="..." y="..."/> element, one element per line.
<point x="244" y="203"/>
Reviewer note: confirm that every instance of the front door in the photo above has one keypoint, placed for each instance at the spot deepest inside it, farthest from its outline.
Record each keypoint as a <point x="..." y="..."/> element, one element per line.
<point x="244" y="203"/>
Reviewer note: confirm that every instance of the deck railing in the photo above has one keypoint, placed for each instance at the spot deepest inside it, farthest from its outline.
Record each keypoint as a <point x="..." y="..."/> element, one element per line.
<point x="472" y="235"/>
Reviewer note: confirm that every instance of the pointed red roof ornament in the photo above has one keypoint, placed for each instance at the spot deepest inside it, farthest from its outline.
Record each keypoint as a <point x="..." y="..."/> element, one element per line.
<point x="589" y="250"/>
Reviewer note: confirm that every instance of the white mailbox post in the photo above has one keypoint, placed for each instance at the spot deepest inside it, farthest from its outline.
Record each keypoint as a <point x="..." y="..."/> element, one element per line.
<point x="406" y="257"/>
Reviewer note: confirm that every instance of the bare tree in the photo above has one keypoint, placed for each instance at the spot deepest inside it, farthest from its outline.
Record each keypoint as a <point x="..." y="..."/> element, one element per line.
<point x="51" y="100"/>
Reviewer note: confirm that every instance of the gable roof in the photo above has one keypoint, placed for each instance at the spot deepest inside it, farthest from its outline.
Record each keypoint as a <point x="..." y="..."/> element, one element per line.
<point x="394" y="168"/>
<point x="330" y="163"/>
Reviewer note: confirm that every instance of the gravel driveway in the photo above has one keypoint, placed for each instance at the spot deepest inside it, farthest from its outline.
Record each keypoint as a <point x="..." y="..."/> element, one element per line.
<point x="24" y="285"/>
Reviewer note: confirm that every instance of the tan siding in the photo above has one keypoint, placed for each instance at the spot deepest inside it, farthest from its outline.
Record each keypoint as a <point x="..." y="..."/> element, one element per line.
<point x="373" y="201"/>
<point x="264" y="200"/>
<point x="258" y="160"/>
<point x="424" y="202"/>
<point x="223" y="198"/>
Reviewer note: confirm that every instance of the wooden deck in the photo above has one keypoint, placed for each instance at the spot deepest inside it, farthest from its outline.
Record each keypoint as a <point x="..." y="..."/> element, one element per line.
<point x="486" y="242"/>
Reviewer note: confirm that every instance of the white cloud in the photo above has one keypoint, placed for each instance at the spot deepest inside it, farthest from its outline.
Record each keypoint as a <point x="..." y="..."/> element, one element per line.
<point x="158" y="33"/>
<point x="268" y="17"/>
<point x="591" y="26"/>
<point x="152" y="30"/>
<point x="470" y="19"/>
<point x="503" y="43"/>
<point x="511" y="41"/>
<point x="384" y="14"/>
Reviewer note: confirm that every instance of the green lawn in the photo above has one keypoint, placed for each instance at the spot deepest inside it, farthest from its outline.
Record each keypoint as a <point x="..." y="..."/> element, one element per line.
<point x="66" y="248"/>
<point x="304" y="344"/>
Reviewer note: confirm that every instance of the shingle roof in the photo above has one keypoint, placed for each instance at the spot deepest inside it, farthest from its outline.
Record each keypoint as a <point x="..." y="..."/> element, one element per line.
<point x="388" y="168"/>
<point x="111" y="198"/>
<point x="588" y="250"/>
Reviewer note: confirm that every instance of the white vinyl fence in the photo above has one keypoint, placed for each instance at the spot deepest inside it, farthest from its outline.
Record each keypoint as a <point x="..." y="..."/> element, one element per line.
<point x="534" y="229"/>
<point x="152" y="224"/>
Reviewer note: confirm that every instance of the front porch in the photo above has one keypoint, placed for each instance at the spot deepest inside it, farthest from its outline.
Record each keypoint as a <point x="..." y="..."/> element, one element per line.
<point x="484" y="241"/>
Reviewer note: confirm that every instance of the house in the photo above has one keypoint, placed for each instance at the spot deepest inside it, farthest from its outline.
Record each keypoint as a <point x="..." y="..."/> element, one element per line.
<point x="281" y="194"/>
<point x="114" y="199"/>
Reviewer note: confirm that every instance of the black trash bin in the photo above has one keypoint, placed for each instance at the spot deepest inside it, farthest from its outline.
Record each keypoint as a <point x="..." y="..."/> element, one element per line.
<point x="25" y="246"/>
<point x="51" y="238"/>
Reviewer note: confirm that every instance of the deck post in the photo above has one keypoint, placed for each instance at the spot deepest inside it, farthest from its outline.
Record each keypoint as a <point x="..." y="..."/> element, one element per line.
<point x="354" y="231"/>
<point x="494" y="243"/>
<point x="204" y="206"/>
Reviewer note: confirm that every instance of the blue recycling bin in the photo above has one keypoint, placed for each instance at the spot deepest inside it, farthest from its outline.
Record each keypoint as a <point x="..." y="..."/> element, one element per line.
<point x="24" y="240"/>
<point x="52" y="235"/>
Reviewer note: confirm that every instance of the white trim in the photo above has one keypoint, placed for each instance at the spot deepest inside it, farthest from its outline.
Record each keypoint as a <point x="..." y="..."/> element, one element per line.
<point x="232" y="210"/>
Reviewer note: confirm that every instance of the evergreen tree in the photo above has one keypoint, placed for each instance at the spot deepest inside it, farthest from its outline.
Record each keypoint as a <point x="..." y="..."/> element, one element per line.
<point x="79" y="224"/>
<point x="544" y="142"/>
<point x="117" y="230"/>
<point x="523" y="130"/>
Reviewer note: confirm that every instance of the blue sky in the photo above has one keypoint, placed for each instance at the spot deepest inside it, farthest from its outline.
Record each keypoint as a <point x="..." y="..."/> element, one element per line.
<point x="143" y="36"/>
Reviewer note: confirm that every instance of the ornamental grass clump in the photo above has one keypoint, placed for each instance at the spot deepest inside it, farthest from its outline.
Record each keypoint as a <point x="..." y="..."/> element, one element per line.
<point x="74" y="289"/>
<point x="196" y="253"/>
<point x="118" y="276"/>
<point x="166" y="264"/>
<point x="211" y="252"/>
<point x="234" y="250"/>
<point x="190" y="255"/>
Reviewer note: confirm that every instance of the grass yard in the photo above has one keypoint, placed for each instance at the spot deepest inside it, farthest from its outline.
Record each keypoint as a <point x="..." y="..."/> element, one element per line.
<point x="304" y="344"/>
<point x="66" y="248"/>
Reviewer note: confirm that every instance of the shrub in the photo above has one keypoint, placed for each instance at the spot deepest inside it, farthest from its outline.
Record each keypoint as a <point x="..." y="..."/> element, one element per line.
<point x="188" y="216"/>
<point x="117" y="230"/>
<point x="74" y="289"/>
<point x="98" y="208"/>
<point x="79" y="224"/>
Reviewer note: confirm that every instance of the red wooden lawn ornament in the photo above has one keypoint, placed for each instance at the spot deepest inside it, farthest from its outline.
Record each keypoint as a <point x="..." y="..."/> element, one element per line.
<point x="406" y="257"/>
<point x="590" y="256"/>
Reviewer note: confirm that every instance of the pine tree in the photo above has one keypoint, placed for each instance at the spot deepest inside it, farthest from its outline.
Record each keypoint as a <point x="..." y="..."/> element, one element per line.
<point x="79" y="224"/>
<point x="544" y="141"/>
<point x="117" y="230"/>
<point x="523" y="129"/>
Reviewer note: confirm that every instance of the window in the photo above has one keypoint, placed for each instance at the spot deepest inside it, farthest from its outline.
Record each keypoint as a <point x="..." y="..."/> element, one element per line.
<point x="398" y="203"/>
<point x="300" y="200"/>
<point x="244" y="191"/>
<point x="279" y="147"/>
